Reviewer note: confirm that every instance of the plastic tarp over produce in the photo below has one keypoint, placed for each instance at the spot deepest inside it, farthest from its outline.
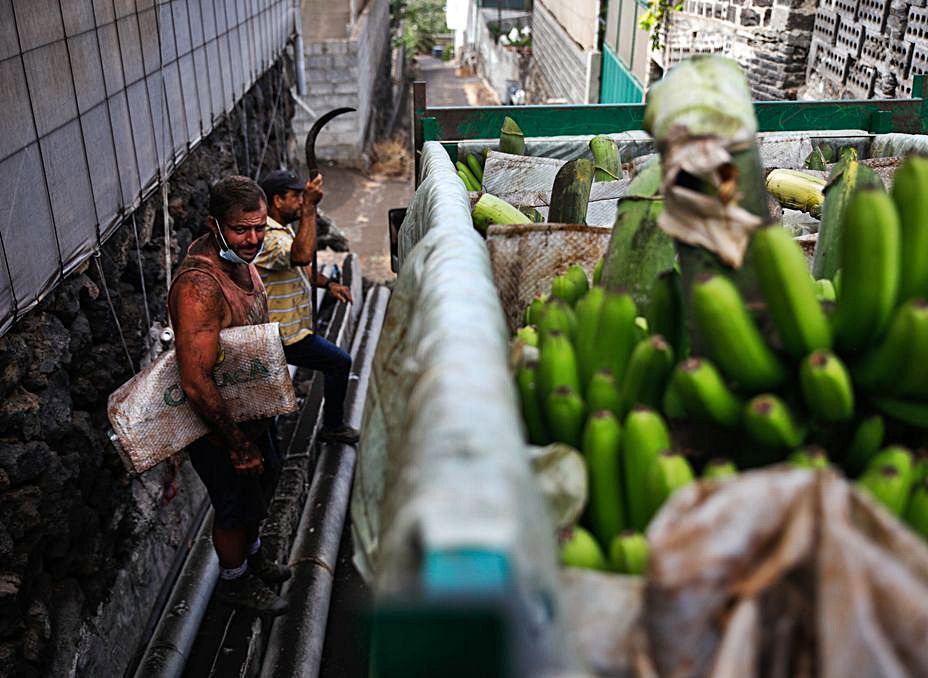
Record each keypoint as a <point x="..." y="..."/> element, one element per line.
<point x="443" y="467"/>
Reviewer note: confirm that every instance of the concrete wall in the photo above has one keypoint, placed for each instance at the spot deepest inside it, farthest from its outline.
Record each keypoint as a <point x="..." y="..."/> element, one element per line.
<point x="769" y="38"/>
<point x="351" y="71"/>
<point x="561" y="69"/>
<point x="869" y="48"/>
<point x="498" y="64"/>
<point x="580" y="19"/>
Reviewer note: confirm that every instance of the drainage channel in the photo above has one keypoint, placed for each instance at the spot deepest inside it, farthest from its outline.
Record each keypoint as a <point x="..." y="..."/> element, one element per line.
<point x="199" y="637"/>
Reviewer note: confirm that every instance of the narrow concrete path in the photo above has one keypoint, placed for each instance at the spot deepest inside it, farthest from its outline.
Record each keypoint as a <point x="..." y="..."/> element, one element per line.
<point x="445" y="87"/>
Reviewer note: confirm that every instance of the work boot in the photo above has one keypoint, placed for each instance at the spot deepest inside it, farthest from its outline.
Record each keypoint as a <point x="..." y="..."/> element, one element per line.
<point x="266" y="569"/>
<point x="340" y="434"/>
<point x="250" y="593"/>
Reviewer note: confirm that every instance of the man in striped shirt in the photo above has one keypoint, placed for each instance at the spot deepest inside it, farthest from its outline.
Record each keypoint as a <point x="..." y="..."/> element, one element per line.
<point x="284" y="268"/>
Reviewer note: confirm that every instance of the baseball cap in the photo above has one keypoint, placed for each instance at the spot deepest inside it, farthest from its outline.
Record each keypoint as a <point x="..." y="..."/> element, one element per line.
<point x="279" y="182"/>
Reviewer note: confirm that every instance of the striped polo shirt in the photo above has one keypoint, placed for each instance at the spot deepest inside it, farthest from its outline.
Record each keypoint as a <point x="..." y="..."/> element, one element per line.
<point x="287" y="286"/>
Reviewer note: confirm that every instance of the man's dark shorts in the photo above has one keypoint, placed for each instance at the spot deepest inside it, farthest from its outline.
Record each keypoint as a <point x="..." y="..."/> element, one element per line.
<point x="238" y="500"/>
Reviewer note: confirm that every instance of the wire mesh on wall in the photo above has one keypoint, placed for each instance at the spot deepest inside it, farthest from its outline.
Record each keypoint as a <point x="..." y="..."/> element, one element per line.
<point x="104" y="98"/>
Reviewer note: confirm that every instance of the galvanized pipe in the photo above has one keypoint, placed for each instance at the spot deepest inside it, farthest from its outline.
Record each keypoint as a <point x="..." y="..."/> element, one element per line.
<point x="299" y="59"/>
<point x="296" y="641"/>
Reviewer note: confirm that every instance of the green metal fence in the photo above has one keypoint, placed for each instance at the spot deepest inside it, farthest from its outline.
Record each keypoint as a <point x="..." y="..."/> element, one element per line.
<point x="618" y="85"/>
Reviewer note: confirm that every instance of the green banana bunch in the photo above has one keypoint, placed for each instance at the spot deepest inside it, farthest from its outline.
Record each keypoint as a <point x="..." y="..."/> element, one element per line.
<point x="865" y="443"/>
<point x="826" y="387"/>
<point x="911" y="412"/>
<point x="870" y="267"/>
<point x="916" y="515"/>
<point x="615" y="336"/>
<point x="668" y="473"/>
<point x="557" y="365"/>
<point x="910" y="194"/>
<point x="557" y="315"/>
<point x="473" y="164"/>
<point x="898" y="365"/>
<point x="528" y="335"/>
<point x="720" y="468"/>
<point x="566" y="412"/>
<point x="601" y="438"/>
<point x="703" y="394"/>
<point x="888" y="478"/>
<point x="587" y="311"/>
<point x="579" y="549"/>
<point x="783" y="277"/>
<point x="730" y="337"/>
<point x="646" y="376"/>
<point x="535" y="309"/>
<point x="603" y="394"/>
<point x="577" y="276"/>
<point x="644" y="435"/>
<point x="847" y="176"/>
<point x="532" y="414"/>
<point x="598" y="271"/>
<point x="768" y="421"/>
<point x="665" y="312"/>
<point x="629" y="552"/>
<point x="672" y="403"/>
<point x="606" y="159"/>
<point x="562" y="287"/>
<point x="810" y="456"/>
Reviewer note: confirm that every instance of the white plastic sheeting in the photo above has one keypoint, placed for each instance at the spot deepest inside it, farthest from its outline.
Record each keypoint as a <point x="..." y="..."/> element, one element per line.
<point x="443" y="465"/>
<point x="101" y="99"/>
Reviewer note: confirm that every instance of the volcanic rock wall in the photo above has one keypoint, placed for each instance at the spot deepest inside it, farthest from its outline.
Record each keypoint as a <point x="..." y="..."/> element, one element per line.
<point x="84" y="548"/>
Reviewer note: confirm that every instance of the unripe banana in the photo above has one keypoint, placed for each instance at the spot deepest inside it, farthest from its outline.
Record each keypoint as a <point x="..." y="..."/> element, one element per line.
<point x="628" y="553"/>
<point x="870" y="270"/>
<point x="910" y="195"/>
<point x="528" y="335"/>
<point x="562" y="287"/>
<point x="668" y="473"/>
<point x="836" y="281"/>
<point x="810" y="456"/>
<point x="720" y="468"/>
<point x="919" y="466"/>
<point x="588" y="310"/>
<point x="866" y="442"/>
<point x="581" y="283"/>
<point x="730" y="337"/>
<point x="566" y="413"/>
<point x="898" y="364"/>
<point x="535" y="309"/>
<point x="825" y="291"/>
<point x="641" y="329"/>
<point x="616" y="335"/>
<point x="557" y="315"/>
<point x="601" y="438"/>
<point x="911" y="412"/>
<point x="557" y="365"/>
<point x="888" y="478"/>
<point x="783" y="277"/>
<point x="646" y="377"/>
<point x="603" y="394"/>
<point x="531" y="405"/>
<point x="916" y="515"/>
<point x="672" y="404"/>
<point x="768" y="420"/>
<point x="598" y="271"/>
<point x="643" y="437"/>
<point x="703" y="393"/>
<point x="665" y="313"/>
<point x="606" y="159"/>
<point x="579" y="549"/>
<point x="826" y="387"/>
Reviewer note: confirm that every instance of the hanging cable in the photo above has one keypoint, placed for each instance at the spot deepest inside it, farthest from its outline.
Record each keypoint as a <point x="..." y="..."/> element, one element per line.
<point x="138" y="254"/>
<point x="270" y="128"/>
<point x="109" y="300"/>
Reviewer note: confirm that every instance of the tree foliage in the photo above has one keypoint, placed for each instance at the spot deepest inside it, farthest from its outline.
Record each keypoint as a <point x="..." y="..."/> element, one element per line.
<point x="418" y="21"/>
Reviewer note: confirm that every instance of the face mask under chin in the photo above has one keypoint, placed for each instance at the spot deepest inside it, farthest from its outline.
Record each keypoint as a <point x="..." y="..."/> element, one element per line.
<point x="228" y="254"/>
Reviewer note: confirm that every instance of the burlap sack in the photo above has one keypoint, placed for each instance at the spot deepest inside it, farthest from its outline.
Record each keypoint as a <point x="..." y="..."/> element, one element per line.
<point x="150" y="413"/>
<point x="785" y="572"/>
<point x="526" y="257"/>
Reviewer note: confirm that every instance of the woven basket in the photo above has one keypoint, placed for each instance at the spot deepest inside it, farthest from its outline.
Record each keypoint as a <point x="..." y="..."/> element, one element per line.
<point x="526" y="257"/>
<point x="150" y="413"/>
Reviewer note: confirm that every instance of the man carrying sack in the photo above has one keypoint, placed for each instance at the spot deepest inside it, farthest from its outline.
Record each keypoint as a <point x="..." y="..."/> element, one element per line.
<point x="283" y="268"/>
<point x="216" y="287"/>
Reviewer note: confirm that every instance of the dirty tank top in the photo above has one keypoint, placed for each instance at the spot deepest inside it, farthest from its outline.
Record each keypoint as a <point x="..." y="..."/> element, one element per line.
<point x="247" y="307"/>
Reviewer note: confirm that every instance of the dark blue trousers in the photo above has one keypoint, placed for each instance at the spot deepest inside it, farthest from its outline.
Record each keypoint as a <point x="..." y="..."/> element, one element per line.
<point x="315" y="353"/>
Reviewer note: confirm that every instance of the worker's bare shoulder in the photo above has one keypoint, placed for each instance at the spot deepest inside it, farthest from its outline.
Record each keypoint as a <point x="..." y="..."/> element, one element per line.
<point x="197" y="299"/>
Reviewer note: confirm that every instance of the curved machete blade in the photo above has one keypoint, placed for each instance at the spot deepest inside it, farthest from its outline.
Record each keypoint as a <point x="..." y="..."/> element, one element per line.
<point x="311" y="164"/>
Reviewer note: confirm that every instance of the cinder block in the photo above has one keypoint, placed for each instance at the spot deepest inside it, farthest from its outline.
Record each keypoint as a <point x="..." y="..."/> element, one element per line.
<point x="850" y="39"/>
<point x="873" y="13"/>
<point x="826" y="26"/>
